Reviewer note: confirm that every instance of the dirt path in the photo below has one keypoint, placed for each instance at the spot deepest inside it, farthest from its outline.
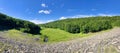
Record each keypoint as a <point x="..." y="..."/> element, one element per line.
<point x="107" y="42"/>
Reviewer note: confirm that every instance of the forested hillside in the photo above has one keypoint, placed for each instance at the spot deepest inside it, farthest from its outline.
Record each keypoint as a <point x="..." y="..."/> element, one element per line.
<point x="85" y="25"/>
<point x="7" y="22"/>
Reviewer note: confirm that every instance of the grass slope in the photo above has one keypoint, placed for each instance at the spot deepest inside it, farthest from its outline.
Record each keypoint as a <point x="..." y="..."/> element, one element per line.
<point x="19" y="36"/>
<point x="57" y="35"/>
<point x="54" y="35"/>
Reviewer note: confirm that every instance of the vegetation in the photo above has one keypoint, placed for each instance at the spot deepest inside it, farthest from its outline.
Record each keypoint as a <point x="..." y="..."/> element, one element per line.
<point x="17" y="41"/>
<point x="54" y="30"/>
<point x="85" y="25"/>
<point x="19" y="36"/>
<point x="57" y="35"/>
<point x="7" y="22"/>
<point x="12" y="41"/>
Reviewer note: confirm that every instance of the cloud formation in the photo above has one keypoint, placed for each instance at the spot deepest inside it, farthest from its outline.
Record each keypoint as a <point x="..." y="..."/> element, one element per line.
<point x="61" y="18"/>
<point x="90" y="15"/>
<point x="45" y="11"/>
<point x="36" y="21"/>
<point x="43" y="5"/>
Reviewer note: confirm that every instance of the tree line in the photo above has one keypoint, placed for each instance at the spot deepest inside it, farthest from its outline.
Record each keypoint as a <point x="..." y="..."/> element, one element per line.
<point x="22" y="25"/>
<point x="85" y="25"/>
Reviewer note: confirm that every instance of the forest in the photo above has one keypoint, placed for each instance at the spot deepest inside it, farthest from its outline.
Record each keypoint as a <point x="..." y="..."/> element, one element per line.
<point x="85" y="25"/>
<point x="71" y="25"/>
<point x="7" y="22"/>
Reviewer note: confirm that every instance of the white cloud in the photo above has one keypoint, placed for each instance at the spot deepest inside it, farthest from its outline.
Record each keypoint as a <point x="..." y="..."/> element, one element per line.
<point x="36" y="21"/>
<point x="79" y="16"/>
<point x="45" y="11"/>
<point x="49" y="21"/>
<point x="102" y="14"/>
<point x="76" y="16"/>
<point x="43" y="5"/>
<point x="62" y="18"/>
<point x="90" y="15"/>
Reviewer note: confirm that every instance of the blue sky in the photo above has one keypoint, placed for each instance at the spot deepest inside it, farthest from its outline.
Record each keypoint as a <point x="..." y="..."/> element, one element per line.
<point x="42" y="11"/>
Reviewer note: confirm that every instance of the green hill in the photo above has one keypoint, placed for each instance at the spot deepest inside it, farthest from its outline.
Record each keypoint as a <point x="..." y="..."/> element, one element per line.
<point x="60" y="30"/>
<point x="57" y="35"/>
<point x="7" y="22"/>
<point x="85" y="25"/>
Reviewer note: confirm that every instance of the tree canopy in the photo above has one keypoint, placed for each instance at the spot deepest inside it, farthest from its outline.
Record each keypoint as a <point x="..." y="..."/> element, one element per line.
<point x="85" y="25"/>
<point x="22" y="25"/>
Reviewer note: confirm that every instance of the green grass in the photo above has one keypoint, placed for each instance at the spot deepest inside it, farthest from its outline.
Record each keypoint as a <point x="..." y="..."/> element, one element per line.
<point x="20" y="36"/>
<point x="57" y="35"/>
<point x="54" y="35"/>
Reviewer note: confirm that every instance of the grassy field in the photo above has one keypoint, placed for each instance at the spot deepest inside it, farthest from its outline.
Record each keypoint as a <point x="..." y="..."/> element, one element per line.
<point x="54" y="35"/>
<point x="16" y="38"/>
<point x="19" y="36"/>
<point x="57" y="35"/>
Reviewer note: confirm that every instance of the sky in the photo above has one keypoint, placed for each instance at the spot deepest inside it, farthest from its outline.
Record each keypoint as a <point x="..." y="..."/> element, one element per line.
<point x="43" y="11"/>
